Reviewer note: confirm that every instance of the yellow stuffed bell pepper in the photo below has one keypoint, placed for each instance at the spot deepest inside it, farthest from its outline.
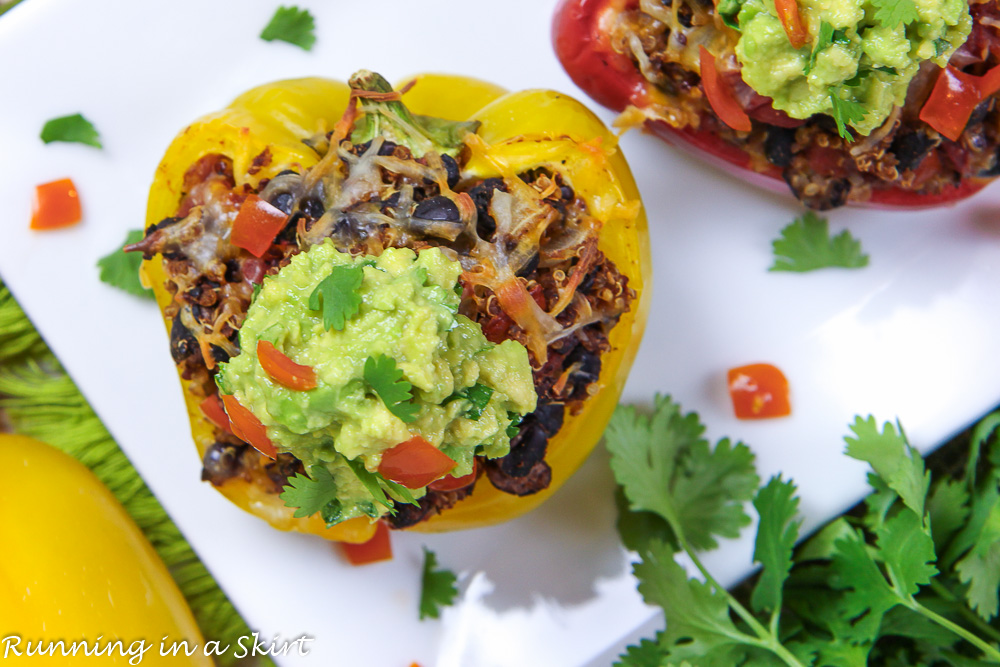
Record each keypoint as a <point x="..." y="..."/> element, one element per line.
<point x="76" y="568"/>
<point x="273" y="240"/>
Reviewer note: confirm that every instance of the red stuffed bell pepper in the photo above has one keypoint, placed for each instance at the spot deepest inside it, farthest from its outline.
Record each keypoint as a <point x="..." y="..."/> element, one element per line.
<point x="844" y="102"/>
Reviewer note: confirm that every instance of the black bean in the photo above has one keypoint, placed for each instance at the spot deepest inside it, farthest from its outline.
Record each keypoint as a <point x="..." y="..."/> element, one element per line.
<point x="387" y="148"/>
<point x="312" y="207"/>
<point x="684" y="15"/>
<point x="482" y="194"/>
<point x="549" y="417"/>
<point x="220" y="355"/>
<point x="567" y="193"/>
<point x="778" y="145"/>
<point x="590" y="365"/>
<point x="451" y="167"/>
<point x="287" y="171"/>
<point x="283" y="202"/>
<point x="221" y="462"/>
<point x="183" y="344"/>
<point x="910" y="148"/>
<point x="288" y="232"/>
<point x="438" y="208"/>
<point x="526" y="449"/>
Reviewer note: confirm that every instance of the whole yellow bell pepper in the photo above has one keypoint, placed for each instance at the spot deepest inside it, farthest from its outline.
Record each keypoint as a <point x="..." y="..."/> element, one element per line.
<point x="519" y="131"/>
<point x="76" y="568"/>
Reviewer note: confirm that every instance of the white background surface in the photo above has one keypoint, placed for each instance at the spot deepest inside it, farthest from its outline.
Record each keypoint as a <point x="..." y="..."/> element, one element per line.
<point x="911" y="336"/>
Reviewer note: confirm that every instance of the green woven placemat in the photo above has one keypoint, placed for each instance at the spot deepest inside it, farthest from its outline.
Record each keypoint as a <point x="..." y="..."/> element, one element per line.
<point x="37" y="398"/>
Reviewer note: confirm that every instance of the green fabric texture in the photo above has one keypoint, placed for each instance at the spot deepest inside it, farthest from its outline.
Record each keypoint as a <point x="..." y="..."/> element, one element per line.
<point x="39" y="399"/>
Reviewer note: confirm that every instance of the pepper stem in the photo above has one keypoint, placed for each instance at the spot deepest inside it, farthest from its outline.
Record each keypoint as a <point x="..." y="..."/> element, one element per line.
<point x="386" y="116"/>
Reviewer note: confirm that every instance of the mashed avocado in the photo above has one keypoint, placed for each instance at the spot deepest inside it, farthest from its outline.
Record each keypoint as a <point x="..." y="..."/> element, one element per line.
<point x="861" y="52"/>
<point x="466" y="391"/>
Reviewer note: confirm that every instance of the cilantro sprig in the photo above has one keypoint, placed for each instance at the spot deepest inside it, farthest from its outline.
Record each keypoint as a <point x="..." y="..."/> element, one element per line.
<point x="890" y="13"/>
<point x="71" y="129"/>
<point x="437" y="587"/>
<point x="337" y="296"/>
<point x="310" y="493"/>
<point x="913" y="581"/>
<point x="293" y="25"/>
<point x="845" y="112"/>
<point x="387" y="381"/>
<point x="806" y="245"/>
<point x="121" y="269"/>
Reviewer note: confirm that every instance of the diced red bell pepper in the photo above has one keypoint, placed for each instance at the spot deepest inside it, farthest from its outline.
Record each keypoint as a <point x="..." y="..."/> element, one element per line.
<point x="57" y="204"/>
<point x="759" y="391"/>
<point x="283" y="370"/>
<point x="954" y="97"/>
<point x="414" y="463"/>
<point x="378" y="548"/>
<point x="721" y="98"/>
<point x="213" y="408"/>
<point x="791" y="21"/>
<point x="248" y="428"/>
<point x="256" y="225"/>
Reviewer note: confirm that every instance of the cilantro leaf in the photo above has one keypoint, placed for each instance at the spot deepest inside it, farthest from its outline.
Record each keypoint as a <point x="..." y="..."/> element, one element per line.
<point x="868" y="595"/>
<point x="845" y="112"/>
<point x="385" y="378"/>
<point x="890" y="13"/>
<point x="729" y="11"/>
<point x="979" y="567"/>
<point x="805" y="245"/>
<point x="71" y="129"/>
<point x="479" y="395"/>
<point x="776" y="534"/>
<point x="823" y="39"/>
<point x="310" y="493"/>
<point x="121" y="269"/>
<point x="981" y="571"/>
<point x="647" y="653"/>
<point x="906" y="548"/>
<point x="893" y="459"/>
<point x="370" y="480"/>
<point x="338" y="296"/>
<point x="948" y="508"/>
<point x="666" y="467"/>
<point x="293" y="25"/>
<point x="698" y="624"/>
<point x="437" y="587"/>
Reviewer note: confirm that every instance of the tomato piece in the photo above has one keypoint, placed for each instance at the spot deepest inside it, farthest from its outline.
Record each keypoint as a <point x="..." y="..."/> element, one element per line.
<point x="791" y="21"/>
<point x="248" y="428"/>
<point x="954" y="97"/>
<point x="256" y="225"/>
<point x="450" y="483"/>
<point x="414" y="463"/>
<point x="283" y="370"/>
<point x="379" y="547"/>
<point x="57" y="204"/>
<point x="720" y="97"/>
<point x="759" y="391"/>
<point x="213" y="408"/>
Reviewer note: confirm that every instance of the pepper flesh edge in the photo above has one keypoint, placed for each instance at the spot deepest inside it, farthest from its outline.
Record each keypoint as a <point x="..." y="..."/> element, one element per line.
<point x="277" y="115"/>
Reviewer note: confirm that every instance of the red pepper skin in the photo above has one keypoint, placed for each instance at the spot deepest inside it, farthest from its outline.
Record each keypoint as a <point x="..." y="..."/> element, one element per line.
<point x="584" y="48"/>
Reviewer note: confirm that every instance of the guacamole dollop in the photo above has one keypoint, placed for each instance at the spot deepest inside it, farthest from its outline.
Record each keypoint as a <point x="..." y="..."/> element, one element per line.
<point x="466" y="391"/>
<point x="861" y="52"/>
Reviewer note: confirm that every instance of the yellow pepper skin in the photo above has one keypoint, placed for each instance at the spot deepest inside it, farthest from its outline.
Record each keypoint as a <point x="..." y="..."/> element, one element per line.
<point x="519" y="131"/>
<point x="76" y="567"/>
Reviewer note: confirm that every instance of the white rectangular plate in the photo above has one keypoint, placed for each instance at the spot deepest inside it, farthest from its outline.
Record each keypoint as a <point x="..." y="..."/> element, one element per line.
<point x="912" y="336"/>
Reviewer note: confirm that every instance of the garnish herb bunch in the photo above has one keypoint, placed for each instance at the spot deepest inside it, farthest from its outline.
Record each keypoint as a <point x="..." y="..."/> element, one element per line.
<point x="912" y="579"/>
